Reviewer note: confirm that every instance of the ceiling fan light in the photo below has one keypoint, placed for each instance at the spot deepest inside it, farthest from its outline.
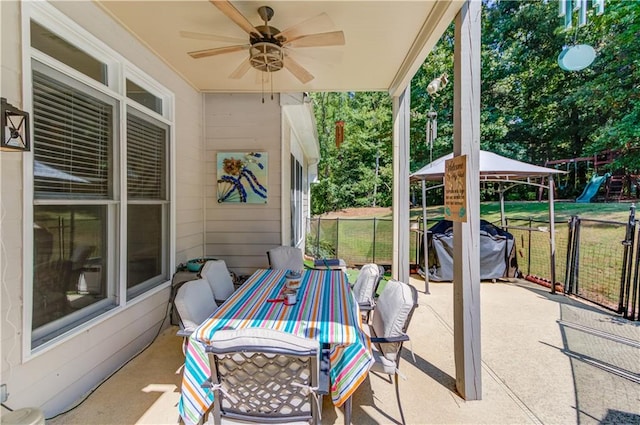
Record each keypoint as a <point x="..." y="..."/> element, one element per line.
<point x="266" y="57"/>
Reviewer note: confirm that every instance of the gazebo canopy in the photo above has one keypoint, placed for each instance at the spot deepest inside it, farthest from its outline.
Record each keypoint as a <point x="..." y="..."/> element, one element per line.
<point x="495" y="168"/>
<point x="492" y="167"/>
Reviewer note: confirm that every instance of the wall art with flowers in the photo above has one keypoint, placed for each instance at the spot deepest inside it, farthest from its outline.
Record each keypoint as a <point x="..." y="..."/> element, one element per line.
<point x="242" y="177"/>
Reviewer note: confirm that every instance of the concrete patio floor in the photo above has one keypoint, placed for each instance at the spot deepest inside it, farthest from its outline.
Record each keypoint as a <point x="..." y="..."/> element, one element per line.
<point x="546" y="359"/>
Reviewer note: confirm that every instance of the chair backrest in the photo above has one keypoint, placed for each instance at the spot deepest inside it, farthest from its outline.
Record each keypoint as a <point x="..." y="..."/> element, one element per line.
<point x="286" y="257"/>
<point x="219" y="278"/>
<point x="72" y="268"/>
<point x="194" y="302"/>
<point x="366" y="283"/>
<point x="264" y="376"/>
<point x="392" y="314"/>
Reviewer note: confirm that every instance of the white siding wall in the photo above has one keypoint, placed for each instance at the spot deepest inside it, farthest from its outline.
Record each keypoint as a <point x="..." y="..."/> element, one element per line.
<point x="241" y="234"/>
<point x="10" y="198"/>
<point x="57" y="377"/>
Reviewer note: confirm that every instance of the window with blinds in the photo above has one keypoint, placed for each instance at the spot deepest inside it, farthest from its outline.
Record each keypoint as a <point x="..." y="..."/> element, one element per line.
<point x="146" y="158"/>
<point x="73" y="135"/>
<point x="92" y="139"/>
<point x="147" y="142"/>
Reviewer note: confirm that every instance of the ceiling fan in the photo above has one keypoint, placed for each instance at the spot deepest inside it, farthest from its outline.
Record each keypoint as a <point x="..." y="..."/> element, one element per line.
<point x="269" y="48"/>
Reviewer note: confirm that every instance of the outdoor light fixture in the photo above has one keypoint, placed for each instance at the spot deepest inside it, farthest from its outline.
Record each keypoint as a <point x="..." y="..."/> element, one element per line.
<point x="14" y="128"/>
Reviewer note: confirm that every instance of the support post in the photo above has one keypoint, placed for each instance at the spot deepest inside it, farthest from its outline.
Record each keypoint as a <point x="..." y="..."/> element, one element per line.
<point x="466" y="249"/>
<point x="502" y="220"/>
<point x="425" y="237"/>
<point x="401" y="131"/>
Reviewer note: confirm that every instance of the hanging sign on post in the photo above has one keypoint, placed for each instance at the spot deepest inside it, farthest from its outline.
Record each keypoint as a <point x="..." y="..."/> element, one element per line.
<point x="455" y="189"/>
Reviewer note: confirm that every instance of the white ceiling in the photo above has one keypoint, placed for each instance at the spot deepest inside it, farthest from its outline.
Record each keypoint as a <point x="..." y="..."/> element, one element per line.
<point x="385" y="41"/>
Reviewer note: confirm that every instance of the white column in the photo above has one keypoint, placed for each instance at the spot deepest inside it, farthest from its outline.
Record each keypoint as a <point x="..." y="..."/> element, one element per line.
<point x="466" y="141"/>
<point x="401" y="121"/>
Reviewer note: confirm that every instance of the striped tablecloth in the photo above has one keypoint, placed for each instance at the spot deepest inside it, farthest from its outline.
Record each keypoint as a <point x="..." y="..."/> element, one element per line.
<point x="326" y="310"/>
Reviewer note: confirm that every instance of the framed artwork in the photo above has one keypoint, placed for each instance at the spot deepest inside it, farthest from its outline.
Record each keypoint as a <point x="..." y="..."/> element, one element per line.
<point x="242" y="177"/>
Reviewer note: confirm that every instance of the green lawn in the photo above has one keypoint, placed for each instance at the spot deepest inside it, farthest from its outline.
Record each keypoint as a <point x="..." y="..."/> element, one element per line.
<point x="490" y="211"/>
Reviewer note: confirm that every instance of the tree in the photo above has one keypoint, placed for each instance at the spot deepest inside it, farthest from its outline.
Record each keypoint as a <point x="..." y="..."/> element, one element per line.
<point x="532" y="110"/>
<point x="348" y="173"/>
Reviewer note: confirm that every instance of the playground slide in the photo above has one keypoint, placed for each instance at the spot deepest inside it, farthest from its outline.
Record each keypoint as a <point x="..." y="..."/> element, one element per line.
<point x="592" y="188"/>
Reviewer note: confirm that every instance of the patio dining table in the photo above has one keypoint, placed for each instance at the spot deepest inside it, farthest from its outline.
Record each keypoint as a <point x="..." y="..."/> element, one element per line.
<point x="326" y="310"/>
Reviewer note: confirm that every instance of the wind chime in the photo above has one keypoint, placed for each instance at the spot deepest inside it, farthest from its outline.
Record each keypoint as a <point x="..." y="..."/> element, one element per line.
<point x="339" y="133"/>
<point x="431" y="130"/>
<point x="577" y="57"/>
<point x="434" y="86"/>
<point x="339" y="136"/>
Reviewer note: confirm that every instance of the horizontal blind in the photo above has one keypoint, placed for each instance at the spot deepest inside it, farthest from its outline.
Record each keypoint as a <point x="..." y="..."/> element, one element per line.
<point x="73" y="136"/>
<point x="146" y="158"/>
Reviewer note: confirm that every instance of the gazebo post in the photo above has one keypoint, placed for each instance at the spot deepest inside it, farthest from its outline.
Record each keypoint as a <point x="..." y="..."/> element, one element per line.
<point x="425" y="245"/>
<point x="503" y="224"/>
<point x="552" y="235"/>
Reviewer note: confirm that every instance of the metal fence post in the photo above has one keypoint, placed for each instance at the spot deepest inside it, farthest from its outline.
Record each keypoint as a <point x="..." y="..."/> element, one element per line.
<point x="337" y="235"/>
<point x="576" y="256"/>
<point x="627" y="263"/>
<point x="417" y="251"/>
<point x="635" y="305"/>
<point x="318" y="239"/>
<point x="374" y="240"/>
<point x="568" y="273"/>
<point x="529" y="248"/>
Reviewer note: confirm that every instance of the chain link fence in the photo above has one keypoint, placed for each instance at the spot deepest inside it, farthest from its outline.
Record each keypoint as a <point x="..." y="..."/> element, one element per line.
<point x="357" y="241"/>
<point x="597" y="260"/>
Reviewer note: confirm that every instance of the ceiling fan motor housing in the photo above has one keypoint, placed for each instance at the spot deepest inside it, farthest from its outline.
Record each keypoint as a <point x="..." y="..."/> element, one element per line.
<point x="265" y="53"/>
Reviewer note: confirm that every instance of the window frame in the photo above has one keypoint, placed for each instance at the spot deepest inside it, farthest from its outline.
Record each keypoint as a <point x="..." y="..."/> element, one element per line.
<point x="296" y="172"/>
<point x="165" y="203"/>
<point x="119" y="69"/>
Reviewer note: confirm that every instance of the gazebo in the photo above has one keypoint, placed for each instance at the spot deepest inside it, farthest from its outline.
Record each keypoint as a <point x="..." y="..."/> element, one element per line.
<point x="507" y="173"/>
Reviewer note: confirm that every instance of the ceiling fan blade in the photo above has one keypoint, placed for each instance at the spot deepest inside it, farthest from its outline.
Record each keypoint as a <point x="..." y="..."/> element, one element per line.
<point x="232" y="13"/>
<point x="217" y="51"/>
<point x="298" y="70"/>
<point x="323" y="39"/>
<point x="241" y="70"/>
<point x="311" y="58"/>
<point x="319" y="23"/>
<point x="211" y="37"/>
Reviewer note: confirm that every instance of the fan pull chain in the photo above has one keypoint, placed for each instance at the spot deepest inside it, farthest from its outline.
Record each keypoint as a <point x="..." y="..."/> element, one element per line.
<point x="271" y="81"/>
<point x="262" y="81"/>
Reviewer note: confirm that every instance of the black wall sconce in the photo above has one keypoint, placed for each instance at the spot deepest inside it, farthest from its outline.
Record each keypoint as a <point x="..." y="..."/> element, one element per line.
<point x="14" y="128"/>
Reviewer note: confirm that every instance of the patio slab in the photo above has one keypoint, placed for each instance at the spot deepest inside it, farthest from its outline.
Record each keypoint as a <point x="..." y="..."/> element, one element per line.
<point x="545" y="359"/>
